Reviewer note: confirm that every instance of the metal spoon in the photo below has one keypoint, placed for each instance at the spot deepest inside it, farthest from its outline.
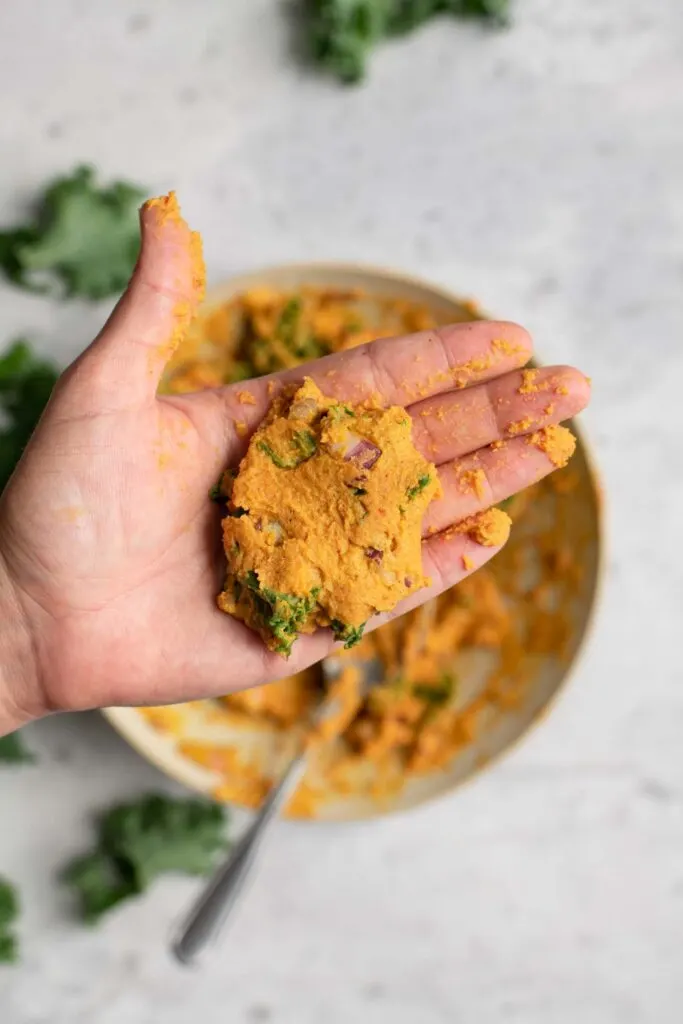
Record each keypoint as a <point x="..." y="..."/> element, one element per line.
<point x="210" y="912"/>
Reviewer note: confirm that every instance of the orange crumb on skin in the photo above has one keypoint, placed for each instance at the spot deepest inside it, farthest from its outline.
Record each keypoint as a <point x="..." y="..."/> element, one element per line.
<point x="519" y="426"/>
<point x="473" y="481"/>
<point x="490" y="528"/>
<point x="561" y="389"/>
<point x="506" y="348"/>
<point x="241" y="428"/>
<point x="478" y="364"/>
<point x="462" y="375"/>
<point x="198" y="266"/>
<point x="246" y="398"/>
<point x="529" y="385"/>
<point x="556" y="441"/>
<point x="467" y="563"/>
<point x="497" y="445"/>
<point x="71" y="513"/>
<point x="167" y="208"/>
<point x="549" y="409"/>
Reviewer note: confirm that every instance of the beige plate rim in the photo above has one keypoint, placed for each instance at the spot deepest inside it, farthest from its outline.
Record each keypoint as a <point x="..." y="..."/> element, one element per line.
<point x="120" y="717"/>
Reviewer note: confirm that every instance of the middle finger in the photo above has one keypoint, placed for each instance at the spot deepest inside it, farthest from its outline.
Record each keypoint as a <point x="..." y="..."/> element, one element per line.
<point x="457" y="423"/>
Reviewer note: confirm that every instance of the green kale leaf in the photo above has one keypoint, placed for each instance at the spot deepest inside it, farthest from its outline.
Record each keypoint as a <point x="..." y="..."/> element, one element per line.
<point x="289" y="330"/>
<point x="140" y="840"/>
<point x="339" y="413"/>
<point x="240" y="370"/>
<point x="26" y="383"/>
<point x="9" y="912"/>
<point x="342" y="33"/>
<point x="350" y="635"/>
<point x="282" y="615"/>
<point x="84" y="237"/>
<point x="304" y="445"/>
<point x="436" y="694"/>
<point x="101" y="882"/>
<point x="13" y="751"/>
<point x="413" y="492"/>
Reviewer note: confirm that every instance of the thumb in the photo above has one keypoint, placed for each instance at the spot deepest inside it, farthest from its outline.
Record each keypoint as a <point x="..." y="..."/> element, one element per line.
<point x="122" y="367"/>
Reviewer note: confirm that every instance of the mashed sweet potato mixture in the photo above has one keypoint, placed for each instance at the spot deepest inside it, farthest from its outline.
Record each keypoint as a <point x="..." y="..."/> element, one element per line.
<point x="324" y="518"/>
<point x="446" y="667"/>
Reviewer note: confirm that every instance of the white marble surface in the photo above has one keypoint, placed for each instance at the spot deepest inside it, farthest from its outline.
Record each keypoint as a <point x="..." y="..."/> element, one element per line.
<point x="542" y="171"/>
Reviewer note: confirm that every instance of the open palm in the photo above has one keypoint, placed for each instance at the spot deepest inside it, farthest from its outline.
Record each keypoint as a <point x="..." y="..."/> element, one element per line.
<point x="111" y="546"/>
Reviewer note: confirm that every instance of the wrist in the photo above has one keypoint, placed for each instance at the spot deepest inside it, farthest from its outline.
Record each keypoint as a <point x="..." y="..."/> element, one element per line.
<point x="18" y="676"/>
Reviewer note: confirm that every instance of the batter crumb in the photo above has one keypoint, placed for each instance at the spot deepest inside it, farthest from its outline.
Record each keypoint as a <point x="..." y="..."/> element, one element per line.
<point x="520" y="426"/>
<point x="556" y="441"/>
<point x="507" y="348"/>
<point x="473" y="481"/>
<point x="529" y="385"/>
<point x="490" y="528"/>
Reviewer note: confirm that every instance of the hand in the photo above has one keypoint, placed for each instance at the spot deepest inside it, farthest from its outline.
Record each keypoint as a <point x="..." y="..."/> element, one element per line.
<point x="110" y="551"/>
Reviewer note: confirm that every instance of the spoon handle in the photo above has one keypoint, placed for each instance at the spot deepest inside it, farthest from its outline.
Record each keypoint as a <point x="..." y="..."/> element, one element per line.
<point x="211" y="910"/>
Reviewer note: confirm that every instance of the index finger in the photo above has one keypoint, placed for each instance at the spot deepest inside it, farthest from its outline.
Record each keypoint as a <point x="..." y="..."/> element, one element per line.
<point x="403" y="370"/>
<point x="395" y="371"/>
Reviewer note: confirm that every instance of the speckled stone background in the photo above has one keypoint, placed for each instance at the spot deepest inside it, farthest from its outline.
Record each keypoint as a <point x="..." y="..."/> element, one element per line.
<point x="541" y="170"/>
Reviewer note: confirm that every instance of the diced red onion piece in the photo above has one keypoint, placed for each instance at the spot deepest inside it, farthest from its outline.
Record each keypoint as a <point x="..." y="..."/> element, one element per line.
<point x="408" y="581"/>
<point x="375" y="555"/>
<point x="363" y="453"/>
